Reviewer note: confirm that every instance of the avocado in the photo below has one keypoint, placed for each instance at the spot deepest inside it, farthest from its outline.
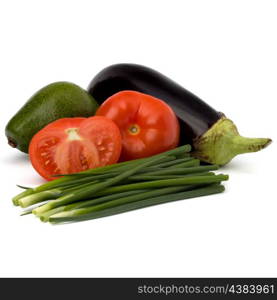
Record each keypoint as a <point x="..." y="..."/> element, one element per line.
<point x="54" y="101"/>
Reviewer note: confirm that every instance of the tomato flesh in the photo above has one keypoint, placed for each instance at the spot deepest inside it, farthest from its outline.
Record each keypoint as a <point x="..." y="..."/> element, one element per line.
<point x="148" y="125"/>
<point x="72" y="145"/>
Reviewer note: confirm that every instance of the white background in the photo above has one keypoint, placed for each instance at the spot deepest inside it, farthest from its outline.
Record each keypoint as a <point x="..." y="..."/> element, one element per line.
<point x="223" y="51"/>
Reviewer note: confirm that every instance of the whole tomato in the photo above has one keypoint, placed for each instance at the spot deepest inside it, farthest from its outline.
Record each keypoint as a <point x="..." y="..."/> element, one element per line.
<point x="148" y="125"/>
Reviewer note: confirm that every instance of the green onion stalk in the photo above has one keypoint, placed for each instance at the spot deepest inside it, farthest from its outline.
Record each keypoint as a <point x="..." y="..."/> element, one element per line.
<point x="104" y="191"/>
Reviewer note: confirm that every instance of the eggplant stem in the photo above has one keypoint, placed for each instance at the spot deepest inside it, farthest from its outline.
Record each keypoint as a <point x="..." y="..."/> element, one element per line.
<point x="246" y="145"/>
<point x="222" y="142"/>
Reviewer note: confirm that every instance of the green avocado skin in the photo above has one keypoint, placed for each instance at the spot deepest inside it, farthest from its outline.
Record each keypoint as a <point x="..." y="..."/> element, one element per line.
<point x="55" y="101"/>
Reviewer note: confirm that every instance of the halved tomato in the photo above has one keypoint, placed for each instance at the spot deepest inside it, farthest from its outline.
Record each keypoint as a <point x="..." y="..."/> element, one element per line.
<point x="72" y="145"/>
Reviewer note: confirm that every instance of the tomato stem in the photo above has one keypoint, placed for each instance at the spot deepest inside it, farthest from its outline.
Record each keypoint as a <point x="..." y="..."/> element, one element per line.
<point x="134" y="129"/>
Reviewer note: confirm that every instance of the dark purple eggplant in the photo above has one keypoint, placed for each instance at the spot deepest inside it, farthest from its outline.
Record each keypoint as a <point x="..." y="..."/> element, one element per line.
<point x="215" y="139"/>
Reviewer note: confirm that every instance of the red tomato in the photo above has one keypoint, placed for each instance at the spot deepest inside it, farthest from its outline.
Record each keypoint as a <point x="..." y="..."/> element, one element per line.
<point x="75" y="144"/>
<point x="148" y="125"/>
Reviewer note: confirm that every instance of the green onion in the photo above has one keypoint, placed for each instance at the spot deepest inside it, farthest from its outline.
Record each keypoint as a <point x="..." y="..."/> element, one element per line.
<point x="51" y="194"/>
<point x="69" y="178"/>
<point x="109" y="209"/>
<point x="123" y="200"/>
<point x="21" y="195"/>
<point x="45" y="216"/>
<point x="23" y="187"/>
<point x="173" y="162"/>
<point x="169" y="176"/>
<point x="98" y="172"/>
<point x="39" y="197"/>
<point x="90" y="190"/>
<point x="186" y="164"/>
<point x="178" y="171"/>
<point x="147" y="177"/>
<point x="162" y="183"/>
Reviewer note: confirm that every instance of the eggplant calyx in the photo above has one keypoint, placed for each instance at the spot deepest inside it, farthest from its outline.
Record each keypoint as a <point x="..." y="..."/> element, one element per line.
<point x="222" y="142"/>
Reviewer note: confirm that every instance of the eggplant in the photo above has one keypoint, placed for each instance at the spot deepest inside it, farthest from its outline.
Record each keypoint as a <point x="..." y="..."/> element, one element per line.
<point x="214" y="138"/>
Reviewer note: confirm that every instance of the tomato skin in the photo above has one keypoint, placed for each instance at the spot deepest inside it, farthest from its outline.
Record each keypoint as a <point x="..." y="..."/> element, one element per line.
<point x="148" y="125"/>
<point x="71" y="145"/>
